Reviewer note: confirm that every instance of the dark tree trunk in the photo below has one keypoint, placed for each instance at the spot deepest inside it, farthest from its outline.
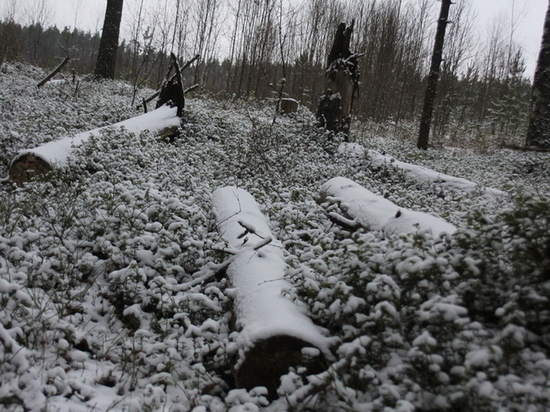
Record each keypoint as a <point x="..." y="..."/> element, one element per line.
<point x="106" y="56"/>
<point x="335" y="104"/>
<point x="433" y="77"/>
<point x="538" y="133"/>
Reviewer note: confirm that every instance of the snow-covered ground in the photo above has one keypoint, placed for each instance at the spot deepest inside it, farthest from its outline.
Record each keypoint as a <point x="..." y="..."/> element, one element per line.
<point x="113" y="295"/>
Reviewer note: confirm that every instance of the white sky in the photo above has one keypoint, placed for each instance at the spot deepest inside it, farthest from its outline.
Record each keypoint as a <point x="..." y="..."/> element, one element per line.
<point x="528" y="14"/>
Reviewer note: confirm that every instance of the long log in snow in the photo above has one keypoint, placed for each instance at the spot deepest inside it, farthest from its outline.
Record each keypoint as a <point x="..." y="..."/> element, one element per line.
<point x="415" y="172"/>
<point x="374" y="212"/>
<point x="32" y="163"/>
<point x="273" y="333"/>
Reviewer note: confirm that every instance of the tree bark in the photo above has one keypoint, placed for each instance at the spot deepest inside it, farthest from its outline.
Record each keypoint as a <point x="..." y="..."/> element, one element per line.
<point x="108" y="46"/>
<point x="433" y="77"/>
<point x="538" y="132"/>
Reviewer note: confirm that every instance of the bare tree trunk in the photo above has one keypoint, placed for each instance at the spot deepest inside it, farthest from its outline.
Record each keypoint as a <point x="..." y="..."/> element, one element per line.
<point x="106" y="57"/>
<point x="433" y="77"/>
<point x="538" y="133"/>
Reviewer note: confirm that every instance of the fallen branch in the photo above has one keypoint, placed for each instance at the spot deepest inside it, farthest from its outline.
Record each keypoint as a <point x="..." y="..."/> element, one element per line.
<point x="52" y="74"/>
<point x="191" y="88"/>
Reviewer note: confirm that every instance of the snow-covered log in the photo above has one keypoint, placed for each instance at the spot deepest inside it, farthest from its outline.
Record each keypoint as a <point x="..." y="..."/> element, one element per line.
<point x="272" y="333"/>
<point x="374" y="212"/>
<point x="414" y="172"/>
<point x="37" y="162"/>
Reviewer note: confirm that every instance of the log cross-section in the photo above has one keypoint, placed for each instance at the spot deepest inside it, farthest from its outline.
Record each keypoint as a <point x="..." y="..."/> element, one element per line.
<point x="272" y="332"/>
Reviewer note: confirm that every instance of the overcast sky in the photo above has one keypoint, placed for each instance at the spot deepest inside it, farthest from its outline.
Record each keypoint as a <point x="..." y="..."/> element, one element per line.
<point x="529" y="15"/>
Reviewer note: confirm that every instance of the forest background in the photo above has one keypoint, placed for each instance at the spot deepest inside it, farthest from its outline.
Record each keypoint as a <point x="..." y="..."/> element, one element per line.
<point x="484" y="91"/>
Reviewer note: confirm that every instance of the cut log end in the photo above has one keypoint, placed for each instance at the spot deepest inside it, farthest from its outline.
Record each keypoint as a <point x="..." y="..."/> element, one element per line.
<point x="28" y="167"/>
<point x="271" y="358"/>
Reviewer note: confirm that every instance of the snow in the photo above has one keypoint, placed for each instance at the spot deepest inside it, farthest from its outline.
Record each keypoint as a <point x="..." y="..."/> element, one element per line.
<point x="257" y="274"/>
<point x="377" y="213"/>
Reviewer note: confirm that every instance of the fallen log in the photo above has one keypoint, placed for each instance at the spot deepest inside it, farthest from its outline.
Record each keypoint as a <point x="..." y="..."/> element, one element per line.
<point x="415" y="172"/>
<point x="374" y="212"/>
<point x="37" y="162"/>
<point x="273" y="333"/>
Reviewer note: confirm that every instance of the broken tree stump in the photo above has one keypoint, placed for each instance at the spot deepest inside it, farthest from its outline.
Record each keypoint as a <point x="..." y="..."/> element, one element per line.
<point x="37" y="162"/>
<point x="272" y="332"/>
<point x="335" y="104"/>
<point x="363" y="208"/>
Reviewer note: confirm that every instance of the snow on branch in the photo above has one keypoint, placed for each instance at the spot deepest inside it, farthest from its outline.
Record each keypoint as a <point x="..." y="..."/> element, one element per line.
<point x="272" y="330"/>
<point x="377" y="213"/>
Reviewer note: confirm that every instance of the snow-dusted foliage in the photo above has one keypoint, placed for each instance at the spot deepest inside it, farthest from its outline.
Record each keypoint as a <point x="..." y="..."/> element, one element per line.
<point x="113" y="293"/>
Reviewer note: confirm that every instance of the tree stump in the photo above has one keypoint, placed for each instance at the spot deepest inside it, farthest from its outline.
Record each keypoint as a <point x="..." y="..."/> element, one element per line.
<point x="363" y="208"/>
<point x="335" y="104"/>
<point x="288" y="105"/>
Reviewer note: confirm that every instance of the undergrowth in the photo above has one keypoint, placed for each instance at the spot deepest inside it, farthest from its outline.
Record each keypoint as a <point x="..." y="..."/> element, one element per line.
<point x="113" y="295"/>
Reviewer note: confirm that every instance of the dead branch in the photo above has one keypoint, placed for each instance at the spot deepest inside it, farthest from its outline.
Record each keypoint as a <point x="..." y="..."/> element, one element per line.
<point x="52" y="74"/>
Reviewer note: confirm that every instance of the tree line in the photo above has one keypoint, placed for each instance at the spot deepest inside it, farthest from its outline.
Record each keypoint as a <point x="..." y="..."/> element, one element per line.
<point x="252" y="48"/>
